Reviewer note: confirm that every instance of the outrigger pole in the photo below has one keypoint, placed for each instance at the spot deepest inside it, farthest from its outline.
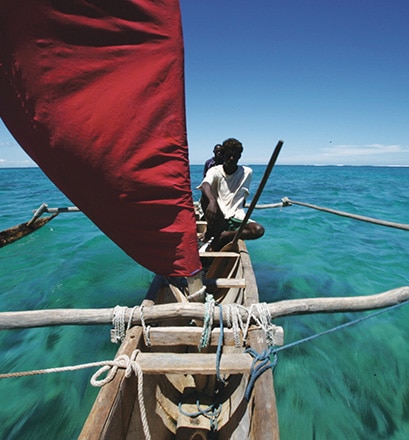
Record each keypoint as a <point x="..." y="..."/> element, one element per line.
<point x="164" y="312"/>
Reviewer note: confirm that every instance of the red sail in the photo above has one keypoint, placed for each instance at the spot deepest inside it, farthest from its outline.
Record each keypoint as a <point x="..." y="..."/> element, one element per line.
<point x="93" y="90"/>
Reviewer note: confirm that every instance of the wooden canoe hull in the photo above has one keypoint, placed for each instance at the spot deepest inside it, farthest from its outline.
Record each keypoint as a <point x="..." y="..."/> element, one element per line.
<point x="177" y="376"/>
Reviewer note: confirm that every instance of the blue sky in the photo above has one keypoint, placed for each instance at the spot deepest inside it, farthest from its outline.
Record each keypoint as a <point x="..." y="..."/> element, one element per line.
<point x="329" y="77"/>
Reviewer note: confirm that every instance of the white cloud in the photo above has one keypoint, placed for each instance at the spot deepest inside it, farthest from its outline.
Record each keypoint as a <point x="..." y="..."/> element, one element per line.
<point x="359" y="150"/>
<point x="368" y="154"/>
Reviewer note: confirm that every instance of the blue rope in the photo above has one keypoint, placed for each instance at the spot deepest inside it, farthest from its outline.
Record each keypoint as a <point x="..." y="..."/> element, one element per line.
<point x="212" y="412"/>
<point x="339" y="327"/>
<point x="262" y="363"/>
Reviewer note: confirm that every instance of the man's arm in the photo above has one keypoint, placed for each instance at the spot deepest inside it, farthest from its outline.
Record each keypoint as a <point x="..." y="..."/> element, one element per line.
<point x="212" y="207"/>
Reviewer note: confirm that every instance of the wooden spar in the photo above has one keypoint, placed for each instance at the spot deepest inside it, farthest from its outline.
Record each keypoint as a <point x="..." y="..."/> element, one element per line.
<point x="64" y="209"/>
<point x="287" y="202"/>
<point x="267" y="205"/>
<point x="260" y="188"/>
<point x="168" y="312"/>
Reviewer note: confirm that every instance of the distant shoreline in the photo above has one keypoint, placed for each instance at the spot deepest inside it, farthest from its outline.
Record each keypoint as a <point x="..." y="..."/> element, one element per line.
<point x="260" y="164"/>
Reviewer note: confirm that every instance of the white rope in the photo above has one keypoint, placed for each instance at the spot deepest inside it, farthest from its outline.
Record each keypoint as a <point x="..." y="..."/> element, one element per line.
<point x="263" y="320"/>
<point x="131" y="367"/>
<point x="207" y="322"/>
<point x="146" y="330"/>
<point x="131" y="317"/>
<point x="118" y="322"/>
<point x="55" y="370"/>
<point x="235" y="322"/>
<point x="111" y="367"/>
<point x="258" y="312"/>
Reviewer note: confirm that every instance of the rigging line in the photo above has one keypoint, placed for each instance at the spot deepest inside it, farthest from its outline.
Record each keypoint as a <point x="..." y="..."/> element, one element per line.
<point x="287" y="202"/>
<point x="338" y="327"/>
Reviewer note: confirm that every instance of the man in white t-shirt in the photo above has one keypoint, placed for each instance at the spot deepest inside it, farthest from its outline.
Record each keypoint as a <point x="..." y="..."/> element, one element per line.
<point x="225" y="189"/>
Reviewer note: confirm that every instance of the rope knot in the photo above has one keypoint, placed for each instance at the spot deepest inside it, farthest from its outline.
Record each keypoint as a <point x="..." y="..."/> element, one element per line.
<point x="133" y="366"/>
<point x="286" y="201"/>
<point x="124" y="362"/>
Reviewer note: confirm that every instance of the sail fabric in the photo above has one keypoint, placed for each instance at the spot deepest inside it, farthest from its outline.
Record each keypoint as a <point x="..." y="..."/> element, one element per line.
<point x="93" y="90"/>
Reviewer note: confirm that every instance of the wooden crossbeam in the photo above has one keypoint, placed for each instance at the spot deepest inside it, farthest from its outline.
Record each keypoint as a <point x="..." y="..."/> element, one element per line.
<point x="225" y="282"/>
<point x="202" y="363"/>
<point x="214" y="254"/>
<point x="171" y="336"/>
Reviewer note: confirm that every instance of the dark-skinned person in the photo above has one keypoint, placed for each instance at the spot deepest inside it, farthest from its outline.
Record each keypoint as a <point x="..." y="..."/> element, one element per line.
<point x="217" y="159"/>
<point x="224" y="191"/>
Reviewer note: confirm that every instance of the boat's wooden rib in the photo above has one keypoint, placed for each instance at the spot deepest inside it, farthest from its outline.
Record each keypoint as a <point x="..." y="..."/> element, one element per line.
<point x="177" y="374"/>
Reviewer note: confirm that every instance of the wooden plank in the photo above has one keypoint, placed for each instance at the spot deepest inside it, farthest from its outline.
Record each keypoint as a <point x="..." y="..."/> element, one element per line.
<point x="264" y="423"/>
<point x="171" y="336"/>
<point x="225" y="282"/>
<point x="193" y="363"/>
<point x="265" y="416"/>
<point x="220" y="254"/>
<point x="251" y="296"/>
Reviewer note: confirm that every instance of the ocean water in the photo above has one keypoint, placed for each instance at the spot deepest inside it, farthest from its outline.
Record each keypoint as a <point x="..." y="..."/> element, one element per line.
<point x="350" y="384"/>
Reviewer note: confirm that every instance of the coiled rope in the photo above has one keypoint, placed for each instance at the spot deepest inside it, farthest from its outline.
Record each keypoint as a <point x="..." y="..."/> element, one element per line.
<point x="208" y="322"/>
<point x="118" y="331"/>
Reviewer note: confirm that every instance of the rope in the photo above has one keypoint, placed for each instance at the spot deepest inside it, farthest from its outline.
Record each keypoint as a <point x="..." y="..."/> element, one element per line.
<point x="131" y="367"/>
<point x="146" y="330"/>
<point x="235" y="322"/>
<point x="131" y="317"/>
<point x="212" y="412"/>
<point x="56" y="369"/>
<point x="110" y="367"/>
<point x="339" y="327"/>
<point x="118" y="322"/>
<point x="262" y="318"/>
<point x="264" y="321"/>
<point x="208" y="322"/>
<point x="261" y="362"/>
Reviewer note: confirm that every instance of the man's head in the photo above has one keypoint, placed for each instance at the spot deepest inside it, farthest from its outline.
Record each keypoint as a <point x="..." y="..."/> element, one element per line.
<point x="218" y="153"/>
<point x="232" y="149"/>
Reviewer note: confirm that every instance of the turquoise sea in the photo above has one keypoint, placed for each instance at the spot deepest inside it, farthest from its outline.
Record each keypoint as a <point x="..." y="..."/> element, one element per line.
<point x="351" y="384"/>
